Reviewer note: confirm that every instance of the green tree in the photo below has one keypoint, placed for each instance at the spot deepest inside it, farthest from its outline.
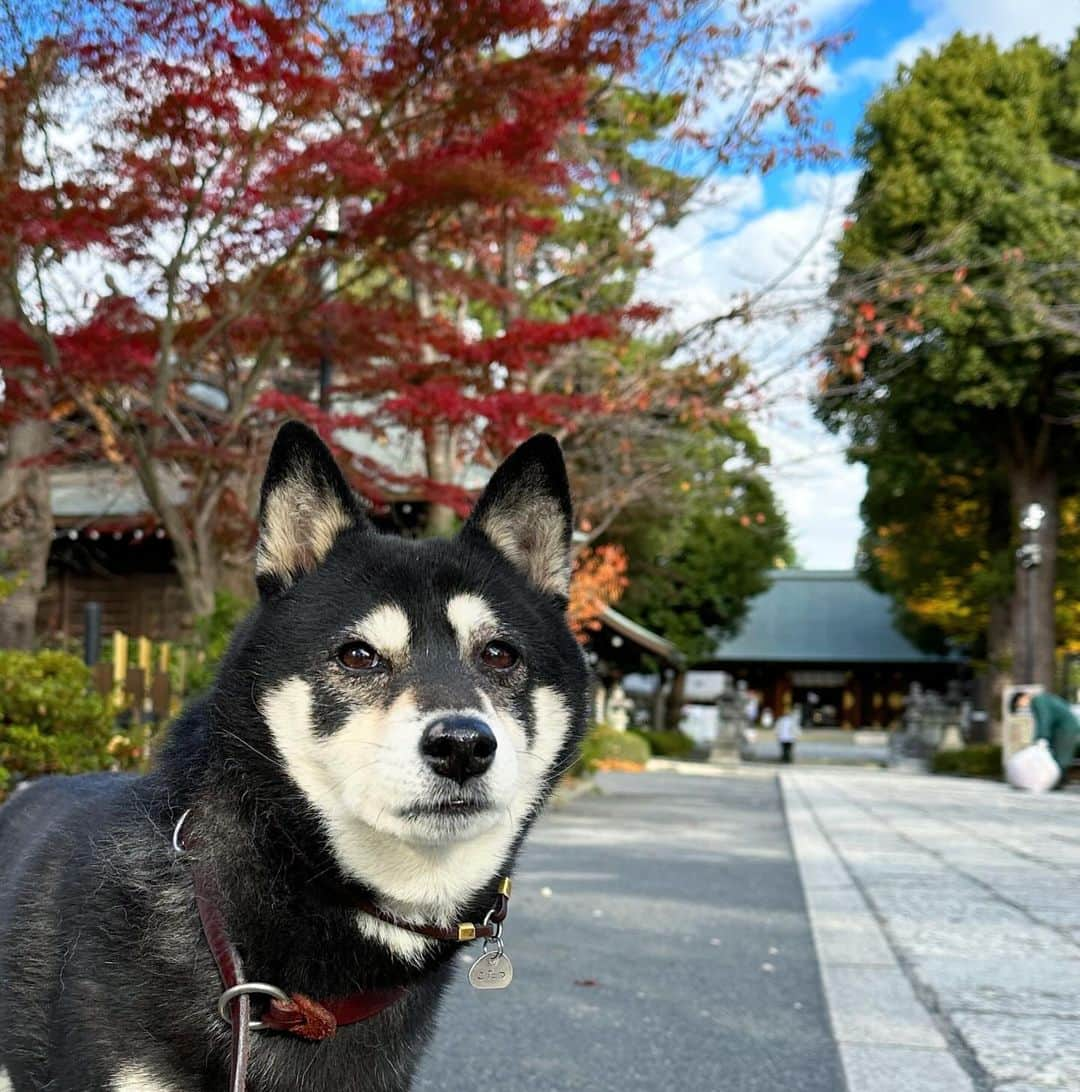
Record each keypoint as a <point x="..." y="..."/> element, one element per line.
<point x="700" y="553"/>
<point x="957" y="276"/>
<point x="937" y="538"/>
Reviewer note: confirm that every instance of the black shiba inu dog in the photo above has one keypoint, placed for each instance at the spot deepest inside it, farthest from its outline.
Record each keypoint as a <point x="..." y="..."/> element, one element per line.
<point x="383" y="730"/>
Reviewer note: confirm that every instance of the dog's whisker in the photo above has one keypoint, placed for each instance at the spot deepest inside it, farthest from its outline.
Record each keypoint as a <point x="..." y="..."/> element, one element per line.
<point x="250" y="746"/>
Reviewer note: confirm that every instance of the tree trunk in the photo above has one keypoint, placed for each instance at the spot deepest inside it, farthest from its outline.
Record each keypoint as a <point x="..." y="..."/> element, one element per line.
<point x="674" y="705"/>
<point x="438" y="438"/>
<point x="26" y="530"/>
<point x="1033" y="630"/>
<point x="441" y="521"/>
<point x="439" y="450"/>
<point x="198" y="578"/>
<point x="238" y="578"/>
<point x="1000" y="658"/>
<point x="195" y="560"/>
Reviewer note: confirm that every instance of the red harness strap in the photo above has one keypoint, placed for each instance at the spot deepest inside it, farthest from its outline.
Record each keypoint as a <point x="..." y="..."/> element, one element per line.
<point x="295" y="1014"/>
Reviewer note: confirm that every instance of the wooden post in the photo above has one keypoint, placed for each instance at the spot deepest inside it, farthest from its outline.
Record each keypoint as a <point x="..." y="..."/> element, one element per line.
<point x="659" y="700"/>
<point x="160" y="696"/>
<point x="146" y="666"/>
<point x="135" y="684"/>
<point x="103" y="679"/>
<point x="119" y="666"/>
<point x="181" y="678"/>
<point x="851" y="703"/>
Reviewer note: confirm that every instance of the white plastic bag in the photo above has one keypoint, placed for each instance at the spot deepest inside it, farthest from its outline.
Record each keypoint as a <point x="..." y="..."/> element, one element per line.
<point x="1033" y="768"/>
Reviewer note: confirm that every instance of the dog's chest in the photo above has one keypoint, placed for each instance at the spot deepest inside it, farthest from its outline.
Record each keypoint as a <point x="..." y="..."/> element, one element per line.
<point x="352" y="1059"/>
<point x="138" y="1078"/>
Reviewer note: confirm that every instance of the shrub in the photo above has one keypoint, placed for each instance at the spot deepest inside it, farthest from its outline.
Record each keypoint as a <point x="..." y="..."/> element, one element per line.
<point x="212" y="636"/>
<point x="976" y="760"/>
<point x="50" y="719"/>
<point x="673" y="744"/>
<point x="608" y="748"/>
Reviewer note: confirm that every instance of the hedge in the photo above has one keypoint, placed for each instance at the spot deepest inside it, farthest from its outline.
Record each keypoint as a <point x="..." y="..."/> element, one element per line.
<point x="976" y="760"/>
<point x="608" y="747"/>
<point x="51" y="721"/>
<point x="673" y="744"/>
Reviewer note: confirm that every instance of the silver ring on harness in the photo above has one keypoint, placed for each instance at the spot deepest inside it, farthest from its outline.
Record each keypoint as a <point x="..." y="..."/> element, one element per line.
<point x="176" y="832"/>
<point x="495" y="939"/>
<point x="496" y="927"/>
<point x="233" y="992"/>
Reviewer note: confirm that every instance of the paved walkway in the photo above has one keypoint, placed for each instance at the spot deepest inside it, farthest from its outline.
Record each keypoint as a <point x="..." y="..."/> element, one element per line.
<point x="826" y="745"/>
<point x="822" y="751"/>
<point x="660" y="941"/>
<point x="946" y="915"/>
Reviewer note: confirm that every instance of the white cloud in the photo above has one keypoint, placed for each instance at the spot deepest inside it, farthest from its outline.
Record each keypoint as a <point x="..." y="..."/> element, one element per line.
<point x="681" y="276"/>
<point x="711" y="260"/>
<point x="819" y="490"/>
<point x="1053" y="21"/>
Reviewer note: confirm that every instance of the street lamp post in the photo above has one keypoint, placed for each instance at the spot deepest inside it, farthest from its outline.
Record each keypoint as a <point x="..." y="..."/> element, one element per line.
<point x="1029" y="557"/>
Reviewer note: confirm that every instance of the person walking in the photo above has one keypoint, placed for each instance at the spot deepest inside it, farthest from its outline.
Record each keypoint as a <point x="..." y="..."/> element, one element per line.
<point x="1057" y="724"/>
<point x="787" y="732"/>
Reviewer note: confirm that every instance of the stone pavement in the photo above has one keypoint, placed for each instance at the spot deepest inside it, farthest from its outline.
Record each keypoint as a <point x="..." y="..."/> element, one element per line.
<point x="946" y="915"/>
<point x="861" y="749"/>
<point x="660" y="942"/>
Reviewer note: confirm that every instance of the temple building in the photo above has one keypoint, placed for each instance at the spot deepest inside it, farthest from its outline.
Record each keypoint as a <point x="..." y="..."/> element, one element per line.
<point x="827" y="642"/>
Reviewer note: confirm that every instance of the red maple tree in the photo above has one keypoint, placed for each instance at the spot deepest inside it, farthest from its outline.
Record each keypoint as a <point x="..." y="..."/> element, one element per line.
<point x="282" y="211"/>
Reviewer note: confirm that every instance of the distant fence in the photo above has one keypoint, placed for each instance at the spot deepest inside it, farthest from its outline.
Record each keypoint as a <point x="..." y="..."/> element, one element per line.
<point x="144" y="680"/>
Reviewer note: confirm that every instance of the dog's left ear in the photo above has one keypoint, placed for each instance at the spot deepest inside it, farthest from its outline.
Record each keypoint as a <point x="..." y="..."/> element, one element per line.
<point x="525" y="513"/>
<point x="306" y="504"/>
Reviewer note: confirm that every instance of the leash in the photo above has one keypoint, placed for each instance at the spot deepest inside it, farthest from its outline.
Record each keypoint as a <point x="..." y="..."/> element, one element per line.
<point x="298" y="1014"/>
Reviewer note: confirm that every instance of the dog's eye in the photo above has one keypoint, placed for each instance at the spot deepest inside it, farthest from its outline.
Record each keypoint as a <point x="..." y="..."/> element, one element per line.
<point x="499" y="655"/>
<point x="357" y="656"/>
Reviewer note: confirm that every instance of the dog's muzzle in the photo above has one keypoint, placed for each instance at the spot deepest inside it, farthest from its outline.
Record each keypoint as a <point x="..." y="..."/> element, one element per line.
<point x="458" y="748"/>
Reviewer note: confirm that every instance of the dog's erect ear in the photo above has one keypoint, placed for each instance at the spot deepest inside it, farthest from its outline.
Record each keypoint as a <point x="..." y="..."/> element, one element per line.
<point x="525" y="513"/>
<point x="306" y="503"/>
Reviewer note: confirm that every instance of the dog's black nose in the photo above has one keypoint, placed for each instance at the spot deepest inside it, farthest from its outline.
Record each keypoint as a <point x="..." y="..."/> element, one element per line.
<point x="458" y="747"/>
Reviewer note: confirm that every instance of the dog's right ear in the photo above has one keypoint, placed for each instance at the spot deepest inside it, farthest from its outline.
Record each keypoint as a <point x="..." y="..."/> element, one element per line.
<point x="305" y="505"/>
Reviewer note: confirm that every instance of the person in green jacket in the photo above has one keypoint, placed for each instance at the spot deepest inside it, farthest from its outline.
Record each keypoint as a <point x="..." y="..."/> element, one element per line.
<point x="1056" y="723"/>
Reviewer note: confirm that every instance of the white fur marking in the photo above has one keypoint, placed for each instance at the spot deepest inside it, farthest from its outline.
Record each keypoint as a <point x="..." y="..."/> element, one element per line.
<point x="387" y="630"/>
<point x="135" y="1078"/>
<point x="5" y="1082"/>
<point x="472" y="619"/>
<point x="408" y="947"/>
<point x="551" y="722"/>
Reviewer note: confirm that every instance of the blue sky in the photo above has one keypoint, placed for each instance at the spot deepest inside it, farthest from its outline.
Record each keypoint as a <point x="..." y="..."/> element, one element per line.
<point x="752" y="229"/>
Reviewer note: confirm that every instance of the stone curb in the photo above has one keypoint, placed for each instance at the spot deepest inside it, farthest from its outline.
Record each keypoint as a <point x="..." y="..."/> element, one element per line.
<point x="886" y="1037"/>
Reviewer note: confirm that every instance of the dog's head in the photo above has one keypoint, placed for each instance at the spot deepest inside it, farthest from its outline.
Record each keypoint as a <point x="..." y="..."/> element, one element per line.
<point x="421" y="696"/>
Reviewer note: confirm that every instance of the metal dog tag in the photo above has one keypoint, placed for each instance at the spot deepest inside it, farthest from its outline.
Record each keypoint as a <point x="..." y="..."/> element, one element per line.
<point x="491" y="972"/>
